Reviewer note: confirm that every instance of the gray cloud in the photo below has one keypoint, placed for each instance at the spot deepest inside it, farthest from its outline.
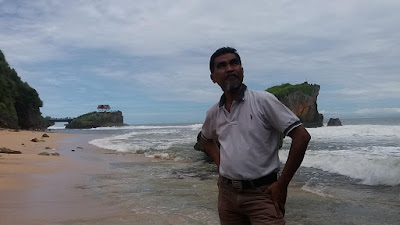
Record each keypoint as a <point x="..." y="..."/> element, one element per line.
<point x="161" y="48"/>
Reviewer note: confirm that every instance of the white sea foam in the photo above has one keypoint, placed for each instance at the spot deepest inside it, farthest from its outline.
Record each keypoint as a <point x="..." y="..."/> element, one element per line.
<point x="152" y="127"/>
<point x="57" y="126"/>
<point x="370" y="153"/>
<point x="373" y="166"/>
<point x="314" y="186"/>
<point x="157" y="138"/>
<point x="158" y="156"/>
<point x="355" y="132"/>
<point x="107" y="143"/>
<point x="177" y="159"/>
<point x="196" y="127"/>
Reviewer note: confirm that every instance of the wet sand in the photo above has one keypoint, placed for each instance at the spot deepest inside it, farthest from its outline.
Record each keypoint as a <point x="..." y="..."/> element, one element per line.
<point x="37" y="189"/>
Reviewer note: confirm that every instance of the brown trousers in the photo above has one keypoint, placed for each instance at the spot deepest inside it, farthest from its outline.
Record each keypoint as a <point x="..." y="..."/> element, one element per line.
<point x="251" y="206"/>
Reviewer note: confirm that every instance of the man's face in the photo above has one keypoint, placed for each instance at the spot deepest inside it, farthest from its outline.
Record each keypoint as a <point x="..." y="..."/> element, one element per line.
<point x="228" y="72"/>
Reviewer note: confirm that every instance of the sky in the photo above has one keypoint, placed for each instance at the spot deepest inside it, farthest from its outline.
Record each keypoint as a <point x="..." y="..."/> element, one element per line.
<point x="149" y="58"/>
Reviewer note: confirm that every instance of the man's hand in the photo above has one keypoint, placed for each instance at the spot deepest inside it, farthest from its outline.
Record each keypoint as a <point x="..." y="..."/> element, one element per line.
<point x="278" y="192"/>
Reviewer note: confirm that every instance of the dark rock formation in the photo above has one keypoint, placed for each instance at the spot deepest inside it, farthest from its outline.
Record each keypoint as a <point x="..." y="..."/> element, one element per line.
<point x="37" y="140"/>
<point x="302" y="100"/>
<point x="49" y="154"/>
<point x="9" y="151"/>
<point x="97" y="119"/>
<point x="334" y="122"/>
<point x="44" y="153"/>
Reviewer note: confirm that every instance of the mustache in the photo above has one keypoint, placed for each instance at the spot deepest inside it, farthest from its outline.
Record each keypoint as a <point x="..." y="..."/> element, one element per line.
<point x="231" y="75"/>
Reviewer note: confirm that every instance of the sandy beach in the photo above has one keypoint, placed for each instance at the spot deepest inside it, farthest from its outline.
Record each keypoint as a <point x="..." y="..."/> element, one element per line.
<point x="35" y="189"/>
<point x="48" y="189"/>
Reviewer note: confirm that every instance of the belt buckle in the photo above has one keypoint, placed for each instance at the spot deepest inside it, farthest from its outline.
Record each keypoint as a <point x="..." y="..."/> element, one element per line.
<point x="237" y="184"/>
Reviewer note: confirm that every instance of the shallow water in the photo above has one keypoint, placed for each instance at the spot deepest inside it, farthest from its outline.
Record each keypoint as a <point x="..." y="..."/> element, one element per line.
<point x="350" y="175"/>
<point x="164" y="191"/>
<point x="168" y="193"/>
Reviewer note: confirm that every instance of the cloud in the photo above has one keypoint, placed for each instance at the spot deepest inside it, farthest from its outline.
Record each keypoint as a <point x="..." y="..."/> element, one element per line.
<point x="371" y="90"/>
<point x="379" y="111"/>
<point x="159" y="50"/>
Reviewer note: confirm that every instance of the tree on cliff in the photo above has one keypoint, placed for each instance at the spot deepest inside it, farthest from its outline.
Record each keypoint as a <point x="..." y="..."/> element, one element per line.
<point x="19" y="103"/>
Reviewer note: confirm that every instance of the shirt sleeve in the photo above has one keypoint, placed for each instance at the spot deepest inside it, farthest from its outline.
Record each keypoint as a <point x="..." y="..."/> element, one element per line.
<point x="278" y="115"/>
<point x="208" y="131"/>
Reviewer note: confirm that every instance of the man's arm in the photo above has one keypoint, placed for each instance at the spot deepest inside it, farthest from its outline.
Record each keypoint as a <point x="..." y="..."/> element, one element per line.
<point x="300" y="138"/>
<point x="211" y="149"/>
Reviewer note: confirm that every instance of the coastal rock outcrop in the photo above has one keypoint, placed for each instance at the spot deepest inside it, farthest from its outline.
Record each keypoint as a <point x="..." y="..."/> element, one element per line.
<point x="334" y="122"/>
<point x="302" y="100"/>
<point x="49" y="154"/>
<point x="97" y="119"/>
<point x="9" y="151"/>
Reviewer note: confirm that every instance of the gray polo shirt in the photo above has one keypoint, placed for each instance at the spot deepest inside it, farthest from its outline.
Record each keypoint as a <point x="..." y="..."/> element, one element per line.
<point x="249" y="134"/>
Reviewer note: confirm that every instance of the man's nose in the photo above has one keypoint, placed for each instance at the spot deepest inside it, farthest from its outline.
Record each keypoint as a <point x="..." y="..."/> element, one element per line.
<point x="229" y="67"/>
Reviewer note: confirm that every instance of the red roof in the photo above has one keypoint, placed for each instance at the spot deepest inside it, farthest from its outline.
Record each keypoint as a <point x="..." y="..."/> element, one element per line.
<point x="103" y="107"/>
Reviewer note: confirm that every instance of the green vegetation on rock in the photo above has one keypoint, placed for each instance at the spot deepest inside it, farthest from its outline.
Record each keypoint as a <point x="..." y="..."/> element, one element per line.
<point x="283" y="90"/>
<point x="19" y="103"/>
<point x="96" y="119"/>
<point x="302" y="100"/>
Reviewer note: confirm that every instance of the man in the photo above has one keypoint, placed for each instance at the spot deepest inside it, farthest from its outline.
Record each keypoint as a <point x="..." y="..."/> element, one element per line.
<point x="247" y="124"/>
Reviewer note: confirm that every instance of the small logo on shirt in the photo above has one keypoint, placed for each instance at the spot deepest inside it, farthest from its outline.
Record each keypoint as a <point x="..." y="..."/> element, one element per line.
<point x="251" y="117"/>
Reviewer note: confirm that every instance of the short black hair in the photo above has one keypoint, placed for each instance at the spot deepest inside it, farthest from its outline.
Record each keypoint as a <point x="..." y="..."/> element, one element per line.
<point x="222" y="51"/>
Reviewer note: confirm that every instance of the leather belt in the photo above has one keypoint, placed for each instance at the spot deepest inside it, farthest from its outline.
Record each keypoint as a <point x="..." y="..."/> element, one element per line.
<point x="246" y="184"/>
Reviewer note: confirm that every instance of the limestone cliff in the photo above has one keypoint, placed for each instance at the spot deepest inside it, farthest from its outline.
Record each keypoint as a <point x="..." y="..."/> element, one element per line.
<point x="302" y="100"/>
<point x="97" y="119"/>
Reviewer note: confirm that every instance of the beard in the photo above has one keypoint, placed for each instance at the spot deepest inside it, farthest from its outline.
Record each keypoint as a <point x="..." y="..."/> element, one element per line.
<point x="231" y="85"/>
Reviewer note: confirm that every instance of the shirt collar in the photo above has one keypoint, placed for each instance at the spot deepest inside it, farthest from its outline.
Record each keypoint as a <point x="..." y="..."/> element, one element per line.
<point x="240" y="97"/>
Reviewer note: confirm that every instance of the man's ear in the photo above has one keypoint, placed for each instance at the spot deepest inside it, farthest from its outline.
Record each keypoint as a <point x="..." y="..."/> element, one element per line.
<point x="212" y="78"/>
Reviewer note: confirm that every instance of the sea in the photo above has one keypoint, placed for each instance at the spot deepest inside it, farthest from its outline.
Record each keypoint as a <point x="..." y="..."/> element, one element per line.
<point x="350" y="174"/>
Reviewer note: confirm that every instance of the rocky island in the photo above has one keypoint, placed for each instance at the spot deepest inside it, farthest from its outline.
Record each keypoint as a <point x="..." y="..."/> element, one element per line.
<point x="97" y="119"/>
<point x="302" y="100"/>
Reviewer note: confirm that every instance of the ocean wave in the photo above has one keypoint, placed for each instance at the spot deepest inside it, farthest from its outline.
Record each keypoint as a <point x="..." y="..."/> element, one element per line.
<point x="56" y="128"/>
<point x="355" y="132"/>
<point x="152" y="127"/>
<point x="107" y="143"/>
<point x="129" y="143"/>
<point x="373" y="166"/>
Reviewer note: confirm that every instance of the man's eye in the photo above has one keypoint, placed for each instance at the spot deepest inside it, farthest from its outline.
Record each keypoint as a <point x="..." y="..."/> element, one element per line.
<point x="234" y="62"/>
<point x="221" y="65"/>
